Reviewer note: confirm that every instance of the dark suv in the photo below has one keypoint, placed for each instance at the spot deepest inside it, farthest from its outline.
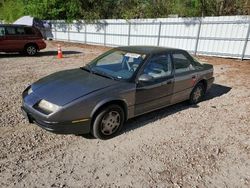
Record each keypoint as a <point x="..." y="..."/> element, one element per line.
<point x="20" y="38"/>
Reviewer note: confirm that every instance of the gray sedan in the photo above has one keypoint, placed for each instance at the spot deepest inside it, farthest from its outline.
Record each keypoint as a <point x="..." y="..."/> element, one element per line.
<point x="118" y="85"/>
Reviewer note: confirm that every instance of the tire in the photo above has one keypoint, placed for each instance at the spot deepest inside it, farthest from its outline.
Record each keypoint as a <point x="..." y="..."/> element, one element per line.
<point x="197" y="94"/>
<point x="31" y="50"/>
<point x="108" y="122"/>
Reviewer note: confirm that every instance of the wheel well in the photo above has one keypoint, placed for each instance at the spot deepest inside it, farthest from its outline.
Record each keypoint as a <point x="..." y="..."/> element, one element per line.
<point x="121" y="103"/>
<point x="31" y="43"/>
<point x="204" y="82"/>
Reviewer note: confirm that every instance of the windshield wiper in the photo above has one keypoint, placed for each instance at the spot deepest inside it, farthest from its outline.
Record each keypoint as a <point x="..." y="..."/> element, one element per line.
<point x="103" y="74"/>
<point x="87" y="67"/>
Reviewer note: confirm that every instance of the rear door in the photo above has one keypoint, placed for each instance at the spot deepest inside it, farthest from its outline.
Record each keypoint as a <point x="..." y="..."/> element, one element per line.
<point x="157" y="93"/>
<point x="21" y="40"/>
<point x="185" y="76"/>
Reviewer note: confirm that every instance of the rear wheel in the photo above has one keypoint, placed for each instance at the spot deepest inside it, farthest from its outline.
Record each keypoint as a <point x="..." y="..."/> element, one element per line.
<point x="31" y="50"/>
<point x="197" y="94"/>
<point x="108" y="122"/>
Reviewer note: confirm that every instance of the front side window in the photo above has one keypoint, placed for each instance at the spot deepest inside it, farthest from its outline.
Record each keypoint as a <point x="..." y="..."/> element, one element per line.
<point x="117" y="64"/>
<point x="182" y="63"/>
<point x="159" y="67"/>
<point x="2" y="31"/>
<point x="10" y="31"/>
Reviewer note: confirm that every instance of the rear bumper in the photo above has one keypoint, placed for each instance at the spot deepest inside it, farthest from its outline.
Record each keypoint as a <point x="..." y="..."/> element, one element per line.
<point x="41" y="45"/>
<point x="59" y="127"/>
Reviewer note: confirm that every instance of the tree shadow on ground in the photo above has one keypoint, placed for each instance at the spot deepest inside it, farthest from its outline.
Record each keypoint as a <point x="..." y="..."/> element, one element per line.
<point x="39" y="54"/>
<point x="215" y="91"/>
<point x="54" y="53"/>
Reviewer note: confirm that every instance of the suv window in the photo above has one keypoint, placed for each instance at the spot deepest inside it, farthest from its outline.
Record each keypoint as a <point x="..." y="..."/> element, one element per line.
<point x="2" y="31"/>
<point x="20" y="31"/>
<point x="159" y="67"/>
<point x="29" y="31"/>
<point x="10" y="31"/>
<point x="181" y="63"/>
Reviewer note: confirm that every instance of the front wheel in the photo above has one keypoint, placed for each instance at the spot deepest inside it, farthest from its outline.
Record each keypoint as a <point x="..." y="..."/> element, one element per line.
<point x="108" y="122"/>
<point x="197" y="94"/>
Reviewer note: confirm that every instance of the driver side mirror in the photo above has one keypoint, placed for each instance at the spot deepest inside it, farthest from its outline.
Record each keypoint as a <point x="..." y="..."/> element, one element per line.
<point x="145" y="78"/>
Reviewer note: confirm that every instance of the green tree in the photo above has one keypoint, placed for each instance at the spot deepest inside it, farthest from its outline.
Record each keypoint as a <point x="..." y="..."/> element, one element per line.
<point x="11" y="10"/>
<point x="91" y="10"/>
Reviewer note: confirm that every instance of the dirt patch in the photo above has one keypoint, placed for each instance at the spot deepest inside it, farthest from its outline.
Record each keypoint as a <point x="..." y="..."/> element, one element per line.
<point x="206" y="145"/>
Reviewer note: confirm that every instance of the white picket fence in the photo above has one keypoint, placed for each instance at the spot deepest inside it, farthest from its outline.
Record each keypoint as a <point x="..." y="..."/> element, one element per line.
<point x="226" y="36"/>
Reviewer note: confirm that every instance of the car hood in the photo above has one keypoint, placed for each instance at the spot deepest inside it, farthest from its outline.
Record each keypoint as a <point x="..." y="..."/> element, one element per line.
<point x="63" y="87"/>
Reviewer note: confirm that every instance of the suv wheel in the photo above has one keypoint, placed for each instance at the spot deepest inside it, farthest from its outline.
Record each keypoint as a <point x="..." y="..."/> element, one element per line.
<point x="31" y="50"/>
<point x="108" y="122"/>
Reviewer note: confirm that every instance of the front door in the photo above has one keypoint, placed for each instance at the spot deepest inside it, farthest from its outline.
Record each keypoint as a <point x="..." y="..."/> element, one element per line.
<point x="11" y="39"/>
<point x="157" y="92"/>
<point x="2" y="38"/>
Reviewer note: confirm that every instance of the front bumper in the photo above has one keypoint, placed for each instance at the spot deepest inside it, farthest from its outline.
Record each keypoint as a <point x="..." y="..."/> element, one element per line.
<point x="81" y="127"/>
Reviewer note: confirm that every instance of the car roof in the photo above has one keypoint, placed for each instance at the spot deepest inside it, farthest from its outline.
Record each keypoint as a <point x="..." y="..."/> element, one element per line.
<point x="148" y="49"/>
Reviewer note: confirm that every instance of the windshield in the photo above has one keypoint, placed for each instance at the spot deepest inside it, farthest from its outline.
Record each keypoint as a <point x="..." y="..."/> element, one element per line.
<point x="116" y="64"/>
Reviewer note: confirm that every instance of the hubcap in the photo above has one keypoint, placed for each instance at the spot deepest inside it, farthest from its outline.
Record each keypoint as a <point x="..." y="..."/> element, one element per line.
<point x="110" y="122"/>
<point x="31" y="50"/>
<point x="197" y="94"/>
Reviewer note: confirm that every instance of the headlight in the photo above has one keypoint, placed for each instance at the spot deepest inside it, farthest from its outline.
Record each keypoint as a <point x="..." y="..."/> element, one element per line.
<point x="30" y="91"/>
<point x="47" y="106"/>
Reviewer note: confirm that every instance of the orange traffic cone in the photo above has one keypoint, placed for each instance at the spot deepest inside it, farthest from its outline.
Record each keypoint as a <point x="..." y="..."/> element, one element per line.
<point x="59" y="52"/>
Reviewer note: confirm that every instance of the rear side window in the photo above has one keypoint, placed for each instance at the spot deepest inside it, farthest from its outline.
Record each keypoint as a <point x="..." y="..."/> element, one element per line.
<point x="2" y="31"/>
<point x="182" y="63"/>
<point x="29" y="31"/>
<point x="10" y="31"/>
<point x="20" y="31"/>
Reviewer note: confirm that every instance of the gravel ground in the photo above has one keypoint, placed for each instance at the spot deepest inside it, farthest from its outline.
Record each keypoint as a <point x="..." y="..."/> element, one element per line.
<point x="207" y="145"/>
